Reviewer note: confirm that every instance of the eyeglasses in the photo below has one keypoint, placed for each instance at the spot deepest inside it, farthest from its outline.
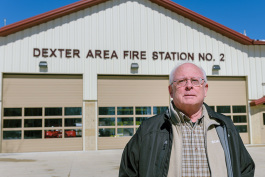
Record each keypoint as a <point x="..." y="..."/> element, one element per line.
<point x="195" y="81"/>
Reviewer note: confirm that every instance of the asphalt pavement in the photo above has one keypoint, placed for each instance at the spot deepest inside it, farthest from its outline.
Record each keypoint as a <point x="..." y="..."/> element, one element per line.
<point x="101" y="163"/>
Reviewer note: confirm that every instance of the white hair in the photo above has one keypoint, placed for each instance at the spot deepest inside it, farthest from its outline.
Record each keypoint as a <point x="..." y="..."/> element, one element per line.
<point x="171" y="76"/>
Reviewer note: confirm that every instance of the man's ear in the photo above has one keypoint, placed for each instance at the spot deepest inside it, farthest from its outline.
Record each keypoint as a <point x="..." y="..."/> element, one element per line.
<point x="170" y="90"/>
<point x="205" y="90"/>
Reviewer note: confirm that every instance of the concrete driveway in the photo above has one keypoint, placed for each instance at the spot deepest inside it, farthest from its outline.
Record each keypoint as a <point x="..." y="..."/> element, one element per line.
<point x="80" y="164"/>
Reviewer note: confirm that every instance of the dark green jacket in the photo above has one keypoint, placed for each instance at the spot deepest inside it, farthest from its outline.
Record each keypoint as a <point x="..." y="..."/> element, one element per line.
<point x="147" y="154"/>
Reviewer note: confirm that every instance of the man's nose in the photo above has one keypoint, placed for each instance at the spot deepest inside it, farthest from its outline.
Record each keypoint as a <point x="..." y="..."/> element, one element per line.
<point x="189" y="84"/>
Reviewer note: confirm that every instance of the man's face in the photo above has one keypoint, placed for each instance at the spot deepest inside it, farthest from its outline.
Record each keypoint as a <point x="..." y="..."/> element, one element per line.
<point x="188" y="96"/>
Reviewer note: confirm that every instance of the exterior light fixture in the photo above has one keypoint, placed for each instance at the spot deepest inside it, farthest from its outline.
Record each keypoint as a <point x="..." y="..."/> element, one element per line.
<point x="43" y="64"/>
<point x="216" y="69"/>
<point x="134" y="68"/>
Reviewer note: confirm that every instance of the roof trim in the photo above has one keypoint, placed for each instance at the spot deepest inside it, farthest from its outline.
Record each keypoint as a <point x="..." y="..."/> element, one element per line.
<point x="204" y="21"/>
<point x="48" y="16"/>
<point x="257" y="102"/>
<point x="83" y="4"/>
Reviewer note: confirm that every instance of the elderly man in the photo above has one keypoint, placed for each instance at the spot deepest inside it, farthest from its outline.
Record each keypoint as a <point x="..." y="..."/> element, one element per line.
<point x="189" y="139"/>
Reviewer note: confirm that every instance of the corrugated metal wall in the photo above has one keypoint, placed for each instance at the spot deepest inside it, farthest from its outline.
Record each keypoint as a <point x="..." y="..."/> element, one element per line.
<point x="256" y="71"/>
<point x="121" y="25"/>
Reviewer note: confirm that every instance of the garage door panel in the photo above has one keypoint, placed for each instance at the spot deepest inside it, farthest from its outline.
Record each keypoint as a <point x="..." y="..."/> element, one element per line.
<point x="41" y="90"/>
<point x="42" y="113"/>
<point x="224" y="90"/>
<point x="126" y="101"/>
<point x="112" y="143"/>
<point x="121" y="92"/>
<point x="12" y="146"/>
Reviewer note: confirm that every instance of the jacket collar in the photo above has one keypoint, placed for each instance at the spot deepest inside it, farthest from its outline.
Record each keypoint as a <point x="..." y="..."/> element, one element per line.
<point x="223" y="120"/>
<point x="176" y="116"/>
<point x="214" y="115"/>
<point x="211" y="113"/>
<point x="207" y="120"/>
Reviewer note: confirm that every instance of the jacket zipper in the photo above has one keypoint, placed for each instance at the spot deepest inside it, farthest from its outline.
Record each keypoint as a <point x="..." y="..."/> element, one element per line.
<point x="162" y="156"/>
<point x="165" y="144"/>
<point x="167" y="150"/>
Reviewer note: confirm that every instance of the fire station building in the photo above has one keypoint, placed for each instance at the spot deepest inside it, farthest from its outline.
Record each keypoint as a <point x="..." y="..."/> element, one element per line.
<point x="84" y="76"/>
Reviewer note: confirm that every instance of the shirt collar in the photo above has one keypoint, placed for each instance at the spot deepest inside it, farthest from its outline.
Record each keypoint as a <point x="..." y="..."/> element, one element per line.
<point x="179" y="117"/>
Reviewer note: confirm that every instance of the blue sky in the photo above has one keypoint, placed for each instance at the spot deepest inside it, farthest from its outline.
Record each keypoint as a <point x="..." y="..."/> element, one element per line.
<point x="238" y="15"/>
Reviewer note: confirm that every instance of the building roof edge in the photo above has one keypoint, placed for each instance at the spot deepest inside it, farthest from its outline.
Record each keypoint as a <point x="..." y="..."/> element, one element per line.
<point x="258" y="101"/>
<point x="83" y="4"/>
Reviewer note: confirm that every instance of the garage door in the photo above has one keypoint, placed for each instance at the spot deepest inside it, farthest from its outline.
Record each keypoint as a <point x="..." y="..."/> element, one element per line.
<point x="124" y="102"/>
<point x="228" y="96"/>
<point x="42" y="113"/>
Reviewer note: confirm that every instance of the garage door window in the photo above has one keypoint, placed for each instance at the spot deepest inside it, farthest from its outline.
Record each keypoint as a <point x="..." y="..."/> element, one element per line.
<point x="42" y="123"/>
<point x="106" y="111"/>
<point x="238" y="115"/>
<point x="223" y="109"/>
<point x="159" y="109"/>
<point x="72" y="133"/>
<point x="125" y="132"/>
<point x="53" y="122"/>
<point x="32" y="123"/>
<point x="240" y="119"/>
<point x="73" y="122"/>
<point x="239" y="109"/>
<point x="53" y="133"/>
<point x="140" y="120"/>
<point x="12" y="123"/>
<point x="124" y="121"/>
<point x="71" y="111"/>
<point x="143" y="110"/>
<point x="32" y="134"/>
<point x="110" y="121"/>
<point x="10" y="135"/>
<point x="33" y="111"/>
<point x="106" y="132"/>
<point x="53" y="111"/>
<point x="125" y="110"/>
<point x="242" y="128"/>
<point x="12" y="112"/>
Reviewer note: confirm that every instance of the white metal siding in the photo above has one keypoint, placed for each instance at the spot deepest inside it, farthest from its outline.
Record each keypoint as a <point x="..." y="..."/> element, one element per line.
<point x="1" y="84"/>
<point x="257" y="71"/>
<point x="128" y="25"/>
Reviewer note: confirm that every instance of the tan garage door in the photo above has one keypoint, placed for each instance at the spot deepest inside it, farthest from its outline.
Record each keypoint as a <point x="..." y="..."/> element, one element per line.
<point x="124" y="102"/>
<point x="42" y="113"/>
<point x="228" y="96"/>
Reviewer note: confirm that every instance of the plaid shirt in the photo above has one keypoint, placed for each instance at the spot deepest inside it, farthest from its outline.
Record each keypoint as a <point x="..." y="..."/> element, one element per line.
<point x="194" y="159"/>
